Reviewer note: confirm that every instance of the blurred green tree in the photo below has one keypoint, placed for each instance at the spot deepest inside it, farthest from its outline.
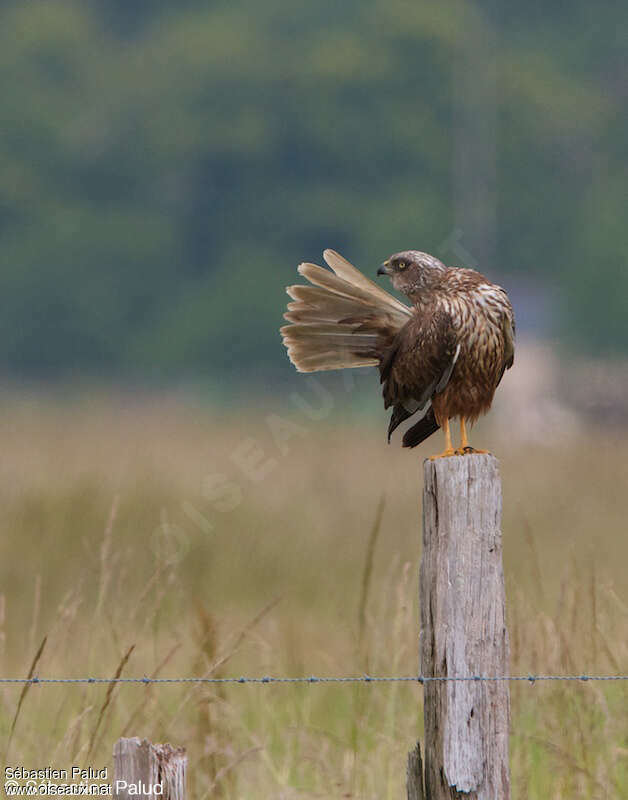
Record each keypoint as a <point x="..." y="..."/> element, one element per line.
<point x="165" y="166"/>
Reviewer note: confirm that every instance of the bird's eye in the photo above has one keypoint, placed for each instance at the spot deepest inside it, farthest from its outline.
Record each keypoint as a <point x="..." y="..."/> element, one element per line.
<point x="401" y="265"/>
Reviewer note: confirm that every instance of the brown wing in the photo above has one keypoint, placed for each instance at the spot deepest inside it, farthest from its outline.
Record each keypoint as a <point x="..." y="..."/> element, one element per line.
<point x="418" y="364"/>
<point x="509" y="341"/>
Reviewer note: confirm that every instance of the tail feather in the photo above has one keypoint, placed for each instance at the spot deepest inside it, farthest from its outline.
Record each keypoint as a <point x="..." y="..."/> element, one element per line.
<point x="329" y="359"/>
<point x="424" y="428"/>
<point x="343" y="320"/>
<point x="347" y="271"/>
<point x="321" y="305"/>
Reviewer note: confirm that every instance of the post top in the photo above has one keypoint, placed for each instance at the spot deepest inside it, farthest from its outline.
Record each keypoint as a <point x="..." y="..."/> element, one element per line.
<point x="457" y="472"/>
<point x="457" y="461"/>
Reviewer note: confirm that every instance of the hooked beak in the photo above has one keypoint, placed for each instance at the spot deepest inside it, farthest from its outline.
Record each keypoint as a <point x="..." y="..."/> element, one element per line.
<point x="385" y="269"/>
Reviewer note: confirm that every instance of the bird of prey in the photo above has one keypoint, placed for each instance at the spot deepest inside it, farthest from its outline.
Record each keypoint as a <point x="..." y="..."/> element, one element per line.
<point x="440" y="358"/>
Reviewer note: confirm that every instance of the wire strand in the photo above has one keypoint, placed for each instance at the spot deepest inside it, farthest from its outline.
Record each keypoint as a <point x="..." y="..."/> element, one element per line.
<point x="420" y="679"/>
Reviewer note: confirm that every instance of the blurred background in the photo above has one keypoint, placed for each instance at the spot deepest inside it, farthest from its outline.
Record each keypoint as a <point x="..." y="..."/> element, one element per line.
<point x="166" y="166"/>
<point x="167" y="480"/>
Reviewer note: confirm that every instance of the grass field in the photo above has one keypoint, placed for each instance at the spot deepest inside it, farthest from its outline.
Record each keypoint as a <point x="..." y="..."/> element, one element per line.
<point x="236" y="544"/>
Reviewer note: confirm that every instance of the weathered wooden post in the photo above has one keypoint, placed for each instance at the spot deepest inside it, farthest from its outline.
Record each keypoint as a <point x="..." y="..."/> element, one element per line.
<point x="463" y="632"/>
<point x="143" y="771"/>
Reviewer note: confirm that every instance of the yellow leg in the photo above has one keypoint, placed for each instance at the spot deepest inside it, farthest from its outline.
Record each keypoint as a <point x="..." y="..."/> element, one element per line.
<point x="465" y="448"/>
<point x="449" y="448"/>
<point x="464" y="442"/>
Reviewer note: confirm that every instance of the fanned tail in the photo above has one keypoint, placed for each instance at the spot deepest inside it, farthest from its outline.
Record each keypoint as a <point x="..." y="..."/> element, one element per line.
<point x="342" y="320"/>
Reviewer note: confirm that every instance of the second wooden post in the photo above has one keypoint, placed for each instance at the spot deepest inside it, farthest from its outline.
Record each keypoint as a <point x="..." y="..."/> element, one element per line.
<point x="143" y="770"/>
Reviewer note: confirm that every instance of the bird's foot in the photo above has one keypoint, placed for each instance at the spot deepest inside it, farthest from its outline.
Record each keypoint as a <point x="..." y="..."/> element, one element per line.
<point x="468" y="451"/>
<point x="445" y="454"/>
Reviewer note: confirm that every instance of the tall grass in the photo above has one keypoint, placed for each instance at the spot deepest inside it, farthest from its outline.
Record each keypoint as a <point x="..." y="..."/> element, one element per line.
<point x="135" y="541"/>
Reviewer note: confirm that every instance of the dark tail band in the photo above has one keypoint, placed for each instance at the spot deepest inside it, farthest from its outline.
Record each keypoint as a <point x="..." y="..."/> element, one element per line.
<point x="423" y="429"/>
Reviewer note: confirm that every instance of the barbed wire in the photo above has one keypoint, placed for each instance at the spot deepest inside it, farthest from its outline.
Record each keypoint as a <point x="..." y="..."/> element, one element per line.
<point x="420" y="679"/>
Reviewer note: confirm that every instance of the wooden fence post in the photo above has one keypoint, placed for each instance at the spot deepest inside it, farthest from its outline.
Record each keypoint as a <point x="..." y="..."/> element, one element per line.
<point x="144" y="771"/>
<point x="414" y="775"/>
<point x="463" y="631"/>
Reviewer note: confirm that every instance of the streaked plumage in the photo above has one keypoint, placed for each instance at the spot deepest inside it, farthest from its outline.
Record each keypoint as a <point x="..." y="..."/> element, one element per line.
<point x="441" y="358"/>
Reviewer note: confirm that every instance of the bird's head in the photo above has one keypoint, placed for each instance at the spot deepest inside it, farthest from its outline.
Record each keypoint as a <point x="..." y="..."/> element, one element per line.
<point x="412" y="271"/>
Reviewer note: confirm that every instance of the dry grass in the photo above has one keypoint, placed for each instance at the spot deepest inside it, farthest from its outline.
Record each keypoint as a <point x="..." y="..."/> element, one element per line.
<point x="159" y="526"/>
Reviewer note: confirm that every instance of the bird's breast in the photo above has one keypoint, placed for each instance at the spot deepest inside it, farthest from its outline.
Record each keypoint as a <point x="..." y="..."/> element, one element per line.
<point x="477" y="321"/>
<point x="477" y="316"/>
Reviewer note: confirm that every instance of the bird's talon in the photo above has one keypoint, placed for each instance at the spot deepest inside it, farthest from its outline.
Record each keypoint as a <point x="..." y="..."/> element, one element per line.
<point x="445" y="454"/>
<point x="468" y="450"/>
